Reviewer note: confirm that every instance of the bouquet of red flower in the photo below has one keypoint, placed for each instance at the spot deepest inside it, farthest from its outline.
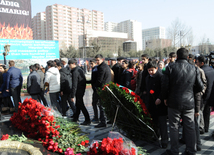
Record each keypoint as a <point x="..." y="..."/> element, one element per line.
<point x="56" y="134"/>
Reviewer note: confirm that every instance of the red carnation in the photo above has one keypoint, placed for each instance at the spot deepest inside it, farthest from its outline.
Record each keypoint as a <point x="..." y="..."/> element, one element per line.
<point x="135" y="99"/>
<point x="152" y="91"/>
<point x="132" y="93"/>
<point x="83" y="143"/>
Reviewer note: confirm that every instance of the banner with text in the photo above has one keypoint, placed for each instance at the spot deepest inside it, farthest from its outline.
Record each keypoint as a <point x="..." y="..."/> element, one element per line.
<point x="15" y="19"/>
<point x="30" y="49"/>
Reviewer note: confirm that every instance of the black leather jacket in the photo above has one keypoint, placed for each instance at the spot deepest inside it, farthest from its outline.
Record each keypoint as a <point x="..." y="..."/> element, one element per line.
<point x="179" y="81"/>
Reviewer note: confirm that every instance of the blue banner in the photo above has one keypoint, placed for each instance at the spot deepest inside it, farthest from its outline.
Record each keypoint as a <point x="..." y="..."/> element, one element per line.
<point x="30" y="49"/>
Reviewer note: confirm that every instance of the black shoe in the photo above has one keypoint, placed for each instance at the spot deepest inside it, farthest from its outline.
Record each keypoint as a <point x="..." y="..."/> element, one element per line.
<point x="95" y="120"/>
<point x="109" y="122"/>
<point x="75" y="120"/>
<point x="187" y="153"/>
<point x="168" y="152"/>
<point x="182" y="141"/>
<point x="86" y="123"/>
<point x="206" y="130"/>
<point x="67" y="108"/>
<point x="100" y="125"/>
<point x="198" y="148"/>
<point x="201" y="132"/>
<point x="164" y="146"/>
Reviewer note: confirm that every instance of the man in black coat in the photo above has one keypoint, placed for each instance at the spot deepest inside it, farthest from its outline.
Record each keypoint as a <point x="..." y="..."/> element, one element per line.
<point x="104" y="76"/>
<point x="65" y="88"/>
<point x="145" y="60"/>
<point x="42" y="76"/>
<point x="207" y="97"/>
<point x="78" y="90"/>
<point x="179" y="81"/>
<point x="95" y="96"/>
<point x="33" y="84"/>
<point x="117" y="69"/>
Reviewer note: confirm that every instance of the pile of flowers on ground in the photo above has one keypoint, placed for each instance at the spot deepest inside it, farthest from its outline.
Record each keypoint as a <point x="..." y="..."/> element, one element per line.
<point x="110" y="146"/>
<point x="132" y="108"/>
<point x="56" y="134"/>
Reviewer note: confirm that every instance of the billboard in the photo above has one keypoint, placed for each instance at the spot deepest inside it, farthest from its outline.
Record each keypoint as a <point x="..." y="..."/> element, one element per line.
<point x="15" y="19"/>
<point x="30" y="49"/>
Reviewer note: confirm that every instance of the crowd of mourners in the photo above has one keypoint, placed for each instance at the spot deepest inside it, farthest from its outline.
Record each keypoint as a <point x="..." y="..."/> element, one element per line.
<point x="179" y="90"/>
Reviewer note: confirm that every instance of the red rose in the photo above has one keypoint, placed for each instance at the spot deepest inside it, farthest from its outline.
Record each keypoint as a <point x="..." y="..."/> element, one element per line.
<point x="86" y="141"/>
<point x="152" y="91"/>
<point x="83" y="143"/>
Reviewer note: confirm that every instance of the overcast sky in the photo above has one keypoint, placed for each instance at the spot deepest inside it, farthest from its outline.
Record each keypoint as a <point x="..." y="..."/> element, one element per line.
<point x="198" y="14"/>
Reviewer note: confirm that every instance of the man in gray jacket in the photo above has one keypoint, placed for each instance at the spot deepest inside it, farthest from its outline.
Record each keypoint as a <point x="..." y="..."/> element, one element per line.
<point x="33" y="84"/>
<point x="42" y="76"/>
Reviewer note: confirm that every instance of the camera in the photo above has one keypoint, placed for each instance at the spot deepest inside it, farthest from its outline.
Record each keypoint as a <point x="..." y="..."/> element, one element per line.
<point x="211" y="59"/>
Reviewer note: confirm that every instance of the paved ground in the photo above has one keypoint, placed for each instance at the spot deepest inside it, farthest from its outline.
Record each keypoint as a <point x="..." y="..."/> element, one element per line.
<point x="152" y="148"/>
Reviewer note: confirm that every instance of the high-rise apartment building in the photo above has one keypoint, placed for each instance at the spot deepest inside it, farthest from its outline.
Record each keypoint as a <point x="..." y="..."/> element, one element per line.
<point x="39" y="26"/>
<point x="66" y="24"/>
<point x="132" y="27"/>
<point x="111" y="27"/>
<point x="152" y="33"/>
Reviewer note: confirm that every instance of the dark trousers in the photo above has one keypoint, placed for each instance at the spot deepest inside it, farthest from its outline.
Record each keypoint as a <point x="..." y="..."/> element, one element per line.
<point x="64" y="99"/>
<point x="160" y="126"/>
<point x="72" y="105"/>
<point x="95" y="99"/>
<point x="162" y="123"/>
<point x="188" y="127"/>
<point x="81" y="107"/>
<point x="15" y="92"/>
<point x="206" y="114"/>
<point x="36" y="97"/>
<point x="197" y="132"/>
<point x="54" y="97"/>
<point x="102" y="113"/>
<point x="7" y="102"/>
<point x="43" y="98"/>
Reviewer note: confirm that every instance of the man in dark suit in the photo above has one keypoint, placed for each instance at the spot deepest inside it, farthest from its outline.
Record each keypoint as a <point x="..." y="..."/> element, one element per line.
<point x="207" y="96"/>
<point x="95" y="97"/>
<point x="42" y="86"/>
<point x="145" y="60"/>
<point x="117" y="69"/>
<point x="14" y="83"/>
<point x="104" y="76"/>
<point x="33" y="84"/>
<point x="78" y="90"/>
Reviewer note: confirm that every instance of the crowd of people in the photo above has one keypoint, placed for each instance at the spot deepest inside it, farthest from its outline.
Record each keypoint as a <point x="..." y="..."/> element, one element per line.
<point x="179" y="88"/>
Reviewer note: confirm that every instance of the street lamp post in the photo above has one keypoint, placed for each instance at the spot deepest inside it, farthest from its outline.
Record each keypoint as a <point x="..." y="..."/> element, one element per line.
<point x="84" y="35"/>
<point x="6" y="52"/>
